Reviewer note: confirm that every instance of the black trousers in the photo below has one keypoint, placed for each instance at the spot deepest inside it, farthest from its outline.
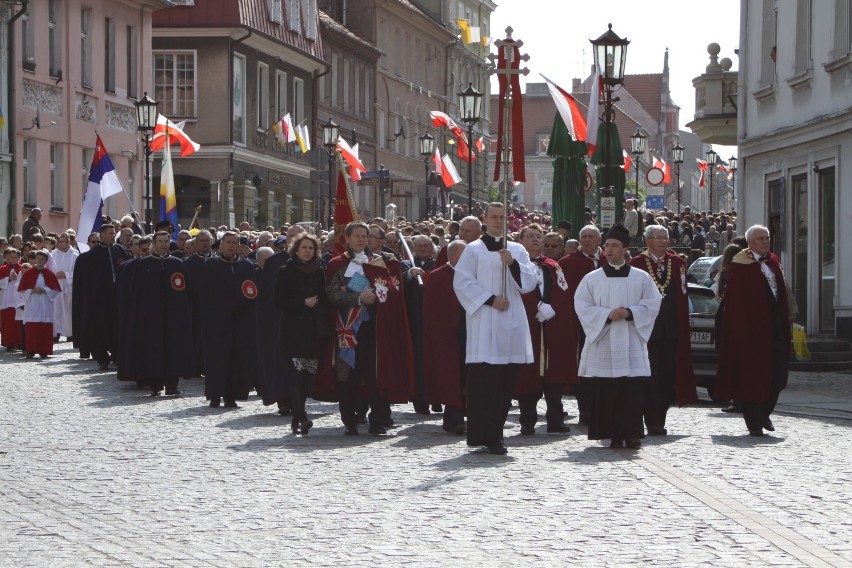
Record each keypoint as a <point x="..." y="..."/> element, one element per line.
<point x="489" y="396"/>
<point x="453" y="416"/>
<point x="349" y="391"/>
<point x="528" y="404"/>
<point x="300" y="386"/>
<point x="756" y="414"/>
<point x="617" y="405"/>
<point x="660" y="388"/>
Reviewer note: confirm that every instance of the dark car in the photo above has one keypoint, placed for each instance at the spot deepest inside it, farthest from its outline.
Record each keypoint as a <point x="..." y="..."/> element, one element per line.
<point x="703" y="306"/>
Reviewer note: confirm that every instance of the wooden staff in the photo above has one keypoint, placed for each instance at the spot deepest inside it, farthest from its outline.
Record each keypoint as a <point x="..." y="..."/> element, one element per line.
<point x="194" y="217"/>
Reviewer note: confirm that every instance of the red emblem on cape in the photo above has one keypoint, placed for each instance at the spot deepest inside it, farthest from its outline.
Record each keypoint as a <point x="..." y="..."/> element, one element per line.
<point x="249" y="289"/>
<point x="178" y="281"/>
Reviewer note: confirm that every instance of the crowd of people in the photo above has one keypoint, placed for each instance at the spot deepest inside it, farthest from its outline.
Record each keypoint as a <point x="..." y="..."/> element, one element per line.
<point x="452" y="315"/>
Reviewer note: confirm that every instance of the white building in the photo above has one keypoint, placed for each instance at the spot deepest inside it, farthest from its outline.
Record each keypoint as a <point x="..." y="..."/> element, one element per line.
<point x="795" y="117"/>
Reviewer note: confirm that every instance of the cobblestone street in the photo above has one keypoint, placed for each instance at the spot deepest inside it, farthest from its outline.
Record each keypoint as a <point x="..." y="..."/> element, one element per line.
<point x="94" y="472"/>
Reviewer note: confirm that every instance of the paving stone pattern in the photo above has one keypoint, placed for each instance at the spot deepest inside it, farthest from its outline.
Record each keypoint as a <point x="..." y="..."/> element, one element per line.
<point x="95" y="473"/>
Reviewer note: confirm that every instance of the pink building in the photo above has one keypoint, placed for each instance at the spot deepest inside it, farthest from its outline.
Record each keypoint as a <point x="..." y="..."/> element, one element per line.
<point x="78" y="68"/>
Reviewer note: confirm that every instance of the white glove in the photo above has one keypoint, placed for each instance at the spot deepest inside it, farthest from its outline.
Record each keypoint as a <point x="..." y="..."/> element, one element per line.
<point x="544" y="313"/>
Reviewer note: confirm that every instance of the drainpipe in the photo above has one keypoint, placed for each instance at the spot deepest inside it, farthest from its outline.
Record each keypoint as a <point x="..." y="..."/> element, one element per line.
<point x="10" y="121"/>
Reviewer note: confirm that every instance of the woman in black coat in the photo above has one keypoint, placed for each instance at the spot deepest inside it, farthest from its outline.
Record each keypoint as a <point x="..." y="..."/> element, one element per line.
<point x="300" y="295"/>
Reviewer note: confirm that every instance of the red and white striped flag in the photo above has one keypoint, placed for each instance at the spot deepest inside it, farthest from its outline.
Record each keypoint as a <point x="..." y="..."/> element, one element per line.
<point x="702" y="165"/>
<point x="175" y="134"/>
<point x="350" y="155"/>
<point x="667" y="171"/>
<point x="480" y="146"/>
<point x="627" y="160"/>
<point x="449" y="173"/>
<point x="569" y="110"/>
<point x="593" y="117"/>
<point x="439" y="168"/>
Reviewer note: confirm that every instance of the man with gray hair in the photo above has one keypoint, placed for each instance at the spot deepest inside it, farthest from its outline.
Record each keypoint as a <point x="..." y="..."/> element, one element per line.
<point x="553" y="246"/>
<point x="571" y="245"/>
<point x="754" y="349"/>
<point x="470" y="229"/>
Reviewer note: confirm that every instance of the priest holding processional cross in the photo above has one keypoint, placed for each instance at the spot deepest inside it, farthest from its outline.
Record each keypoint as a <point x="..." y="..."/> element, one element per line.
<point x="491" y="275"/>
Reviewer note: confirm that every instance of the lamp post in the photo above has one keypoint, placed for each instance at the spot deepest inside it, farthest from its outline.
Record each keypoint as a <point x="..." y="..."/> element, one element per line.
<point x="427" y="146"/>
<point x="637" y="147"/>
<point x="711" y="165"/>
<point x="732" y="166"/>
<point x="610" y="53"/>
<point x="329" y="141"/>
<point x="677" y="157"/>
<point x="470" y="105"/>
<point x="146" y="122"/>
<point x="381" y="187"/>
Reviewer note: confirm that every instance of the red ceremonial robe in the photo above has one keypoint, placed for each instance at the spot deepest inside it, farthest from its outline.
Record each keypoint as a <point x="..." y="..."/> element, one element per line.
<point x="441" y="258"/>
<point x="744" y="371"/>
<point x="575" y="266"/>
<point x="39" y="335"/>
<point x="28" y="280"/>
<point x="394" y="352"/>
<point x="684" y="374"/>
<point x="10" y="328"/>
<point x="442" y="345"/>
<point x="548" y="338"/>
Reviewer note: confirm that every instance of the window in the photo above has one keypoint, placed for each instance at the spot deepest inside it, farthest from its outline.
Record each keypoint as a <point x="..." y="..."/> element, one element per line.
<point x="298" y="100"/>
<point x="131" y="63"/>
<point x="239" y="103"/>
<point x="54" y="40"/>
<point x="368" y="100"/>
<point x="334" y="82"/>
<point x="27" y="43"/>
<point x="262" y="96"/>
<point x="275" y="11"/>
<point x="86" y="46"/>
<point x="57" y="196"/>
<point x="174" y="82"/>
<point x="280" y="94"/>
<point x="346" y="85"/>
<point x="294" y="21"/>
<point x="359" y="72"/>
<point x="309" y="17"/>
<point x="28" y="173"/>
<point x="109" y="55"/>
<point x="804" y="27"/>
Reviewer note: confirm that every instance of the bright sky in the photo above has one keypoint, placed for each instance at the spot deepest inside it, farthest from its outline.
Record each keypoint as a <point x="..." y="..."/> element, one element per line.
<point x="556" y="36"/>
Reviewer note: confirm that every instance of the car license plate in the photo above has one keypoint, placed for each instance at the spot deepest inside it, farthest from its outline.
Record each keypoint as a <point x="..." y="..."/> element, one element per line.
<point x="699" y="336"/>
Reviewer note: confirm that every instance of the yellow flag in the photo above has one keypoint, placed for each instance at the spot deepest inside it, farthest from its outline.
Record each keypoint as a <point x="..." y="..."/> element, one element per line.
<point x="465" y="30"/>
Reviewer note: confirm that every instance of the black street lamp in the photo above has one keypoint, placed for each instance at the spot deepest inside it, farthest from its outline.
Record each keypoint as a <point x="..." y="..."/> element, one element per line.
<point x="329" y="141"/>
<point x="146" y="122"/>
<point x="610" y="52"/>
<point x="470" y="105"/>
<point x="637" y="147"/>
<point x="427" y="146"/>
<point x="711" y="165"/>
<point x="732" y="167"/>
<point x="677" y="158"/>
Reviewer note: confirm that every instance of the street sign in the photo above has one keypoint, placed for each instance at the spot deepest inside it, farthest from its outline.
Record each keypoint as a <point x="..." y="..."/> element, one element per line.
<point x="654" y="202"/>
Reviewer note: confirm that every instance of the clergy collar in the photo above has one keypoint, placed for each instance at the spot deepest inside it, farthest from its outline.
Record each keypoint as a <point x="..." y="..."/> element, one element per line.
<point x="234" y="258"/>
<point x="596" y="254"/>
<point x="492" y="238"/>
<point x="620" y="272"/>
<point x="155" y="255"/>
<point x="617" y="266"/>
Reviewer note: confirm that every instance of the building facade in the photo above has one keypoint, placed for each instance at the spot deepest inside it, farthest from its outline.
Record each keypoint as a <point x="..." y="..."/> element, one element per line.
<point x="794" y="119"/>
<point x="231" y="69"/>
<point x="77" y="69"/>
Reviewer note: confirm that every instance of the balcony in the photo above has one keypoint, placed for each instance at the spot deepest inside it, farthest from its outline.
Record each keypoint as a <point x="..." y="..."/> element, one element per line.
<point x="716" y="101"/>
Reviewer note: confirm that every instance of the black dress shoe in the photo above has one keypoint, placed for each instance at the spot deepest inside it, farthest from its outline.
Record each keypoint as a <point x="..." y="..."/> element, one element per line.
<point x="362" y="419"/>
<point x="437" y="408"/>
<point x="29" y="355"/>
<point x="527" y="430"/>
<point x="155" y="392"/>
<point x="734" y="407"/>
<point x="633" y="443"/>
<point x="305" y="425"/>
<point x="377" y="430"/>
<point x="283" y="410"/>
<point x="230" y="403"/>
<point x="559" y="428"/>
<point x="755" y="432"/>
<point x="294" y="425"/>
<point x="768" y="425"/>
<point x="214" y="403"/>
<point x="657" y="431"/>
<point x="616" y="444"/>
<point x="351" y="430"/>
<point x="172" y="392"/>
<point x="422" y="409"/>
<point x="497" y="448"/>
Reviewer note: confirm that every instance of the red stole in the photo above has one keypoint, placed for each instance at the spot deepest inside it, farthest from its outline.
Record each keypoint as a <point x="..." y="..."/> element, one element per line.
<point x="28" y="280"/>
<point x="6" y="269"/>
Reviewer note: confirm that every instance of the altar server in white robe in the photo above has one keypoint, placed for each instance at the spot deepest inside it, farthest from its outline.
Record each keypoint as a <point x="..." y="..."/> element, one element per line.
<point x="617" y="307"/>
<point x="498" y="336"/>
<point x="38" y="287"/>
<point x="64" y="259"/>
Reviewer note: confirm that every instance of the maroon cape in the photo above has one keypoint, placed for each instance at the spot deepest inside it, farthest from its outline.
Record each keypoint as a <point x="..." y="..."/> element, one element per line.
<point x="560" y="367"/>
<point x="394" y="353"/>
<point x="684" y="374"/>
<point x="575" y="266"/>
<point x="744" y="370"/>
<point x="443" y="351"/>
<point x="441" y="259"/>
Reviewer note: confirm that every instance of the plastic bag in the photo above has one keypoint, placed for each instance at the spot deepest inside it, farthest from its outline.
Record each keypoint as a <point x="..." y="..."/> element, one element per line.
<point x="800" y="343"/>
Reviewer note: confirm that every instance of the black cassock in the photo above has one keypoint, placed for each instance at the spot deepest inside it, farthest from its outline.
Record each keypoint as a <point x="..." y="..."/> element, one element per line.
<point x="194" y="266"/>
<point x="154" y="321"/>
<point x="228" y="327"/>
<point x="98" y="318"/>
<point x="273" y="383"/>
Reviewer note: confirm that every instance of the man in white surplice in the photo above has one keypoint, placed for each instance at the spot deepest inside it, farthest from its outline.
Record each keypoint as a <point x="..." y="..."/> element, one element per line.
<point x="617" y="307"/>
<point x="64" y="258"/>
<point x="498" y="336"/>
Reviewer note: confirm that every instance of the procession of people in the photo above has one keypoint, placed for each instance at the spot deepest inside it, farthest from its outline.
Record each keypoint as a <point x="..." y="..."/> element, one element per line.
<point x="455" y="316"/>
